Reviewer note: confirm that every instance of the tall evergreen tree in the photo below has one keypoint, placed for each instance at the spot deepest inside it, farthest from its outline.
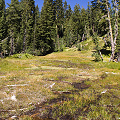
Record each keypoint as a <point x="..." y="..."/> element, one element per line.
<point x="36" y="39"/>
<point x="88" y="20"/>
<point x="76" y="17"/>
<point x="98" y="14"/>
<point x="46" y="28"/>
<point x="28" y="19"/>
<point x="68" y="33"/>
<point x="83" y="20"/>
<point x="13" y="22"/>
<point x="68" y="27"/>
<point x="59" y="20"/>
<point x="3" y="28"/>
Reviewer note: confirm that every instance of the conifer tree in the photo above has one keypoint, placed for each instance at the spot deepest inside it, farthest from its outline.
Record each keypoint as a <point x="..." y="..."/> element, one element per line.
<point x="68" y="33"/>
<point x="88" y="20"/>
<point x="36" y="36"/>
<point x="13" y="22"/>
<point x="68" y="27"/>
<point x="59" y="21"/>
<point x="65" y="8"/>
<point x="28" y="19"/>
<point x="46" y="28"/>
<point x="3" y="28"/>
<point x="83" y="20"/>
<point x="98" y="14"/>
<point x="76" y="17"/>
<point x="67" y="15"/>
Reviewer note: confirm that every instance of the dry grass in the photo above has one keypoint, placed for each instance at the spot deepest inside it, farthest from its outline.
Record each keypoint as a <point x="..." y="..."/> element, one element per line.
<point x="64" y="85"/>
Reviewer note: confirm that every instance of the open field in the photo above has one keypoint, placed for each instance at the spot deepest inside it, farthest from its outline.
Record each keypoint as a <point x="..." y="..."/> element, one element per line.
<point x="67" y="85"/>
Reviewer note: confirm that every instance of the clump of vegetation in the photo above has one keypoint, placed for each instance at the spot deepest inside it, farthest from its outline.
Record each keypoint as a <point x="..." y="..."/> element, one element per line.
<point x="22" y="56"/>
<point x="96" y="53"/>
<point x="79" y="46"/>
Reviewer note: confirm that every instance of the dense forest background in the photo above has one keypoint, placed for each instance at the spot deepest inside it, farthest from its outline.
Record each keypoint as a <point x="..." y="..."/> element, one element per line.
<point x="25" y="29"/>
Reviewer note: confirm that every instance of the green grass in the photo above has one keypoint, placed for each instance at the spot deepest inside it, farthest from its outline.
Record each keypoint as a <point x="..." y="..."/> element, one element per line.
<point x="82" y="88"/>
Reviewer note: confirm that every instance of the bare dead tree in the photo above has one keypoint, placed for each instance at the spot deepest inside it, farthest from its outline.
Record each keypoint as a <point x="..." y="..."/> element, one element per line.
<point x="116" y="21"/>
<point x="110" y="32"/>
<point x="113" y="41"/>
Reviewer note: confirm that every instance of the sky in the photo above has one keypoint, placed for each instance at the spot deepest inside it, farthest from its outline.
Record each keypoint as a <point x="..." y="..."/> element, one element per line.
<point x="82" y="3"/>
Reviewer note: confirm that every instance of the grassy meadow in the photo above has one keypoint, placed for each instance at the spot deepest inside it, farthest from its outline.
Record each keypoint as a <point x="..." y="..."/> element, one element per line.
<point x="66" y="85"/>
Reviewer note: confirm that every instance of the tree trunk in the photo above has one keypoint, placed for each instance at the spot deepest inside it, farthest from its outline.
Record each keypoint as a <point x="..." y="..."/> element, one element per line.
<point x="93" y="28"/>
<point x="83" y="37"/>
<point x="104" y="38"/>
<point x="113" y="42"/>
<point x="24" y="41"/>
<point x="25" y="33"/>
<point x="118" y="59"/>
<point x="11" y="43"/>
<point x="58" y="43"/>
<point x="1" y="55"/>
<point x="101" y="55"/>
<point x="34" y="35"/>
<point x="116" y="23"/>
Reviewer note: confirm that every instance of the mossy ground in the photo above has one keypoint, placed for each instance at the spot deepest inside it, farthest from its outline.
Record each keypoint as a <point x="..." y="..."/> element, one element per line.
<point x="66" y="85"/>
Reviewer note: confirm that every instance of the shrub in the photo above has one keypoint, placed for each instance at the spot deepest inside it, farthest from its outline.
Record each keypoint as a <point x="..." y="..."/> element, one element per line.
<point x="22" y="56"/>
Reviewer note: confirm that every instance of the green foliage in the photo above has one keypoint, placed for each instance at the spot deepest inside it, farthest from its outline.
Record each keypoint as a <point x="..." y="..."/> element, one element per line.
<point x="98" y="22"/>
<point x="76" y="24"/>
<point x="24" y="29"/>
<point x="3" y="26"/>
<point x="22" y="56"/>
<point x="97" y="56"/>
<point x="13" y="23"/>
<point x="67" y="26"/>
<point x="27" y="24"/>
<point x="79" y="46"/>
<point x="96" y="53"/>
<point x="46" y="28"/>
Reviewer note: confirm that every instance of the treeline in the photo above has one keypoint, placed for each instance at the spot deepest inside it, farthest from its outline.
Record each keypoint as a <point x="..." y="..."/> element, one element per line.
<point x="25" y="29"/>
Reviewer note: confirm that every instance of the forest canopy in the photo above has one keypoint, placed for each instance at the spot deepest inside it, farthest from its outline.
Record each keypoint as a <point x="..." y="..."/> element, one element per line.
<point x="25" y="29"/>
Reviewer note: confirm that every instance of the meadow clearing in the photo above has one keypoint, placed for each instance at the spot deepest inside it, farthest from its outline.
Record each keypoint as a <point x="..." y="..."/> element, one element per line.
<point x="66" y="85"/>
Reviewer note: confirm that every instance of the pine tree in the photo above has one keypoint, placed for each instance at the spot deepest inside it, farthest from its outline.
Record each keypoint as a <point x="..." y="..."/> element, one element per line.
<point x="36" y="36"/>
<point x="13" y="22"/>
<point x="99" y="25"/>
<point x="2" y="19"/>
<point x="28" y="20"/>
<point x="98" y="20"/>
<point x="76" y="17"/>
<point x="46" y="42"/>
<point x="88" y="20"/>
<point x="67" y="11"/>
<point x="59" y="21"/>
<point x="68" y="33"/>
<point x="68" y="27"/>
<point x="83" y="20"/>
<point x="3" y="28"/>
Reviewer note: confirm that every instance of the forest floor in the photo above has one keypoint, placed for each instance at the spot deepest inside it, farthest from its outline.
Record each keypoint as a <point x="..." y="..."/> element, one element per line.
<point x="66" y="85"/>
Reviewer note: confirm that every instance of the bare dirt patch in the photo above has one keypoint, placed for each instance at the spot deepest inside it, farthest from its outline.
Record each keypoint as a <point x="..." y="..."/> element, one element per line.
<point x="80" y="86"/>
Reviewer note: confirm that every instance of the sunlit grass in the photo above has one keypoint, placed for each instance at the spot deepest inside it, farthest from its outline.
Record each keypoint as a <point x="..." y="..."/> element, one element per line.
<point x="42" y="79"/>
